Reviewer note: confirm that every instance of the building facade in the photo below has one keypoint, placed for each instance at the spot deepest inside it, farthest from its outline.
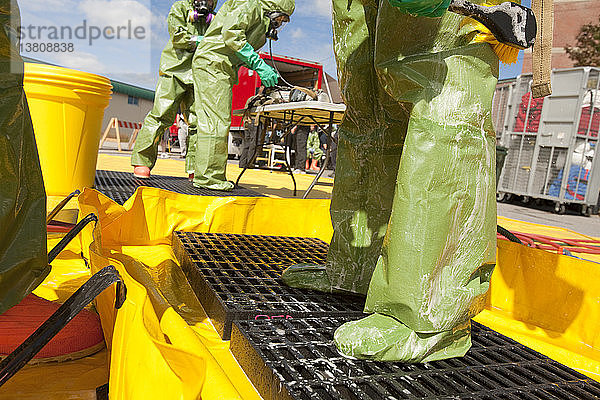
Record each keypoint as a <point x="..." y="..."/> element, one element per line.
<point x="128" y="103"/>
<point x="569" y="16"/>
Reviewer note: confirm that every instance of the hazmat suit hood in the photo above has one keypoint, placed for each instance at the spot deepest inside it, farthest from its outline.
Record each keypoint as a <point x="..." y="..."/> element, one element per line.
<point x="286" y="6"/>
<point x="215" y="4"/>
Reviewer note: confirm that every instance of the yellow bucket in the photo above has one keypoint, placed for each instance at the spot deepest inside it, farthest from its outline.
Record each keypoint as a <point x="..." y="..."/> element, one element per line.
<point x="67" y="107"/>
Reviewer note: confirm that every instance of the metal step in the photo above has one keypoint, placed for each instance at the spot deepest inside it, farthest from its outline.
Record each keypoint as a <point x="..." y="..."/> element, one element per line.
<point x="297" y="359"/>
<point x="236" y="277"/>
<point x="119" y="186"/>
<point x="283" y="337"/>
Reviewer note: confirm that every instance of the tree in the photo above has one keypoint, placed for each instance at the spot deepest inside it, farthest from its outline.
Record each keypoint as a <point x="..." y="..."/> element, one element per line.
<point x="587" y="50"/>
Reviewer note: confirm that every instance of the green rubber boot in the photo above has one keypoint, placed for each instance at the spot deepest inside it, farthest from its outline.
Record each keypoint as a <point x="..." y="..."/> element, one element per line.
<point x="308" y="276"/>
<point x="382" y="338"/>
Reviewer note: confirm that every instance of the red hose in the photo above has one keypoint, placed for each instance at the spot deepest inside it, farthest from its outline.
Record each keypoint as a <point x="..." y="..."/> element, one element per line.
<point x="549" y="243"/>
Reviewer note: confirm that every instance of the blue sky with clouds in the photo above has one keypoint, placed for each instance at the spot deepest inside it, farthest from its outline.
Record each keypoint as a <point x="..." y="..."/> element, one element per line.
<point x="308" y="36"/>
<point x="107" y="57"/>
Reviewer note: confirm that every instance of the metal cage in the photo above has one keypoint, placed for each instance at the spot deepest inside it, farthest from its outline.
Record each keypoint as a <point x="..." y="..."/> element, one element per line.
<point x="501" y="108"/>
<point x="552" y="141"/>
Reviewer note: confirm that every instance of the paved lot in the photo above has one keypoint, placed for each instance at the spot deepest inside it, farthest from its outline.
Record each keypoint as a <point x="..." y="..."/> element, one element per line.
<point x="543" y="215"/>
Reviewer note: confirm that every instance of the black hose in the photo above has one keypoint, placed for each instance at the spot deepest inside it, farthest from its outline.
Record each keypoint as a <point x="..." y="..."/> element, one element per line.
<point x="275" y="66"/>
<point x="56" y="322"/>
<point x="60" y="206"/>
<point x="509" y="235"/>
<point x="70" y="236"/>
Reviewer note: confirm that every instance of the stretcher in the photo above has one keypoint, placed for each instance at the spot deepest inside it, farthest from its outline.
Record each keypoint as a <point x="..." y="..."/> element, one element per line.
<point x="303" y="113"/>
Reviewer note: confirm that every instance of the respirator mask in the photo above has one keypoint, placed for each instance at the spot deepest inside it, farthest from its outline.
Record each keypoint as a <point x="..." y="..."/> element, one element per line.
<point x="201" y="10"/>
<point x="277" y="20"/>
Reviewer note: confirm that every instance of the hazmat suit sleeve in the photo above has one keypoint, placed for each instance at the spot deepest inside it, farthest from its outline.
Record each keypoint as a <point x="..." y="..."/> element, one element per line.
<point x="248" y="15"/>
<point x="180" y="35"/>
<point x="235" y="26"/>
<point x="422" y="8"/>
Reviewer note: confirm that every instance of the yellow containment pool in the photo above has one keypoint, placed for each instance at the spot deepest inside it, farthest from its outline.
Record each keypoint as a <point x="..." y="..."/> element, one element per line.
<point x="67" y="107"/>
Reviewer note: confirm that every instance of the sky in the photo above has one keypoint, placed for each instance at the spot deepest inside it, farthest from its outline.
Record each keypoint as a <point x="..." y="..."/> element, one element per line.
<point x="136" y="61"/>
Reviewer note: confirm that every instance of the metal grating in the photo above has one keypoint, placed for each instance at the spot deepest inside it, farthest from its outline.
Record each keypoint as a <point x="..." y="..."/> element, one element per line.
<point x="119" y="186"/>
<point x="296" y="359"/>
<point x="550" y="162"/>
<point x="541" y="170"/>
<point x="500" y="106"/>
<point x="236" y="277"/>
<point x="519" y="162"/>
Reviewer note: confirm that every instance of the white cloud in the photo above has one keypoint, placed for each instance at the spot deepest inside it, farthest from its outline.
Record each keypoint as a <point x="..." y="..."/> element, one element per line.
<point x="46" y="5"/>
<point x="319" y="8"/>
<point x="80" y="60"/>
<point x="120" y="12"/>
<point x="298" y="33"/>
<point x="144" y="80"/>
<point x="116" y="13"/>
<point x="160" y="32"/>
<point x="308" y="39"/>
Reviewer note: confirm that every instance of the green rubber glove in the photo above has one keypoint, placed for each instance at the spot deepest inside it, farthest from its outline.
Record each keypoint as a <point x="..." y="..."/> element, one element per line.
<point x="422" y="8"/>
<point x="267" y="74"/>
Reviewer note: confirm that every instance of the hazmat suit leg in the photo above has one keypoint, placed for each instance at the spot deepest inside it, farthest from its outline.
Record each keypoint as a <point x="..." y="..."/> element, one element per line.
<point x="438" y="253"/>
<point x="212" y="107"/>
<point x="23" y="255"/>
<point x="170" y="92"/>
<point x="187" y="106"/>
<point x="370" y="141"/>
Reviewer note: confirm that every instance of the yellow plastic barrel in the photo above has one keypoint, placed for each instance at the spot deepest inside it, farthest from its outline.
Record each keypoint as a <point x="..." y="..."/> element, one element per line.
<point x="67" y="107"/>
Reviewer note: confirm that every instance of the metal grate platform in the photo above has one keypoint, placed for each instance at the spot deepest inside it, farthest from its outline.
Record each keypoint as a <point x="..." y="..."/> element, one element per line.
<point x="296" y="359"/>
<point x="236" y="277"/>
<point x="119" y="186"/>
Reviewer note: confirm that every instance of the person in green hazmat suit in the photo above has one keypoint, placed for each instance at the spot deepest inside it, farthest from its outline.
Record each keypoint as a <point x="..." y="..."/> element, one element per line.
<point x="313" y="150"/>
<point x="23" y="256"/>
<point x="187" y="21"/>
<point x="413" y="205"/>
<point x="240" y="28"/>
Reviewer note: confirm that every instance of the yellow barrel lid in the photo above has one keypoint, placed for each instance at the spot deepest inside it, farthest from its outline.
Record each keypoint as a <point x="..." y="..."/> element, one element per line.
<point x="67" y="77"/>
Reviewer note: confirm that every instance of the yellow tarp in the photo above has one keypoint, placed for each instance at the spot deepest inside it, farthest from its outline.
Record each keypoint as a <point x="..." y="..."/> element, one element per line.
<point x="551" y="231"/>
<point x="163" y="345"/>
<point x="548" y="302"/>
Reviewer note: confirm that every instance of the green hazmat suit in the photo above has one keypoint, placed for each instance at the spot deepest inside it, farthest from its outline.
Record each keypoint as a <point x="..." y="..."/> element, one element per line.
<point x="23" y="256"/>
<point x="174" y="88"/>
<point x="313" y="146"/>
<point x="238" y="23"/>
<point x="413" y="204"/>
